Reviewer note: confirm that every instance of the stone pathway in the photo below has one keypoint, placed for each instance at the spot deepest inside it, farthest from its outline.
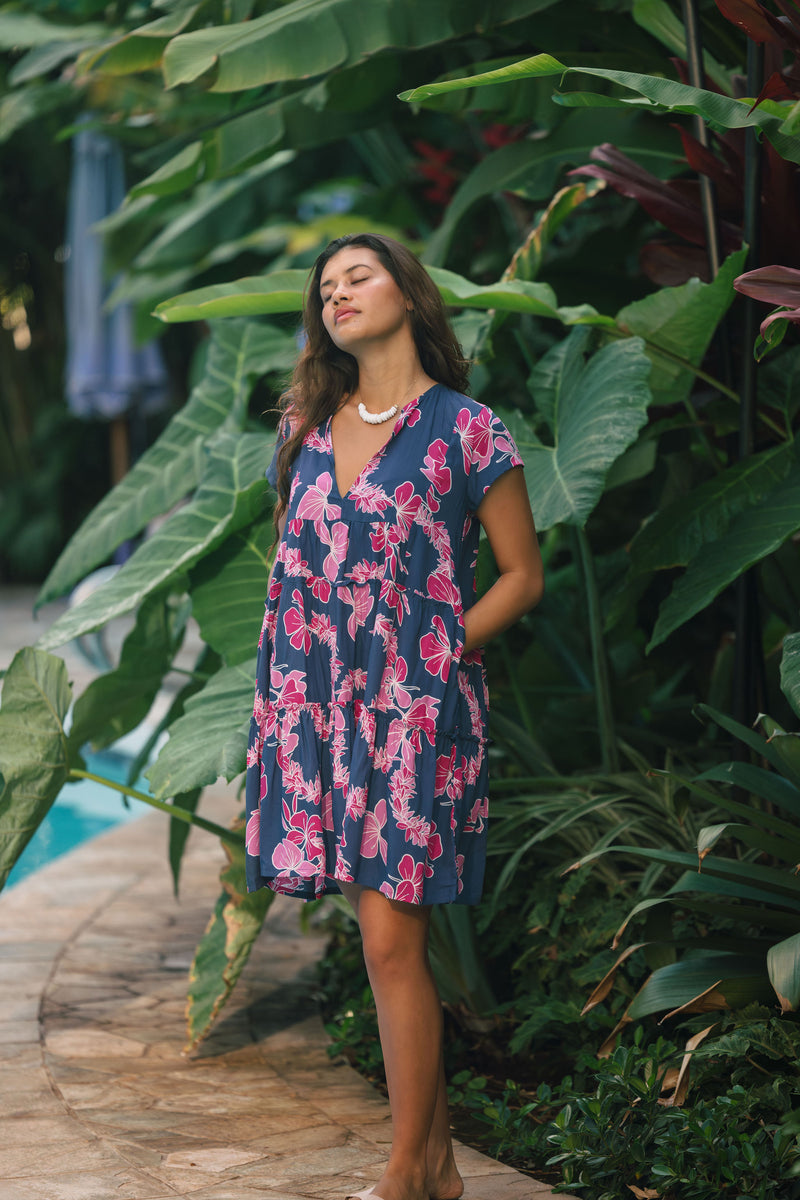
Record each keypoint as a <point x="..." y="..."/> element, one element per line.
<point x="97" y="1100"/>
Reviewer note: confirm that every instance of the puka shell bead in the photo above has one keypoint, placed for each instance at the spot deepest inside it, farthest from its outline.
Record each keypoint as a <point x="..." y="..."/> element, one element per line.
<point x="375" y="418"/>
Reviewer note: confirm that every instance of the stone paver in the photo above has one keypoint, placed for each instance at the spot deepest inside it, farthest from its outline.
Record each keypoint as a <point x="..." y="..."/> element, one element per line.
<point x="98" y="1099"/>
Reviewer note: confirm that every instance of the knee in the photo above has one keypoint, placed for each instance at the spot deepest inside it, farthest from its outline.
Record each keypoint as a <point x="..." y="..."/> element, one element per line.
<point x="387" y="955"/>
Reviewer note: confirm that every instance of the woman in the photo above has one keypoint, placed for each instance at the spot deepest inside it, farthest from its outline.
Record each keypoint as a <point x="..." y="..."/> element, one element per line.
<point x="367" y="769"/>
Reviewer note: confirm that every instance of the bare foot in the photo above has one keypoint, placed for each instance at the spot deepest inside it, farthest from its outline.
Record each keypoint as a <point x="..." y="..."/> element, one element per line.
<point x="444" y="1181"/>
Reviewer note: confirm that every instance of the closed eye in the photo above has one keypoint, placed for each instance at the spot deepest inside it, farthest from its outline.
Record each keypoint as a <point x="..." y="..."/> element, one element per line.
<point x="325" y="297"/>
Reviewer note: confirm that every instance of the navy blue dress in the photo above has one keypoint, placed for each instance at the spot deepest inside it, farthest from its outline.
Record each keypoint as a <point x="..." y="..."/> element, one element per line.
<point x="367" y="759"/>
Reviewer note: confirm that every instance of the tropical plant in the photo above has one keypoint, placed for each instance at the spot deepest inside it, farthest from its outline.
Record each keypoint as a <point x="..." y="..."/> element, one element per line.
<point x="628" y="1138"/>
<point x="773" y="285"/>
<point x="740" y="943"/>
<point x="625" y="421"/>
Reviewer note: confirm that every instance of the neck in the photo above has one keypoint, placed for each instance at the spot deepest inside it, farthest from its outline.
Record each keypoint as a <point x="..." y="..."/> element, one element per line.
<point x="389" y="375"/>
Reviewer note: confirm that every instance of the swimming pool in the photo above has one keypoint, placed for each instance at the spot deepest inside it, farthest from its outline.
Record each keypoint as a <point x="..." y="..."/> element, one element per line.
<point x="81" y="811"/>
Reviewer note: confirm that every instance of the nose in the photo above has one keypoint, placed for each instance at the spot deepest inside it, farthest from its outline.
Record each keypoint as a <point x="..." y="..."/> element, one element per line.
<point x="340" y="292"/>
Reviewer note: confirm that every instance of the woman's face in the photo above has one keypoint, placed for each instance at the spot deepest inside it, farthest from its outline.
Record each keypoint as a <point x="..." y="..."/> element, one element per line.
<point x="361" y="303"/>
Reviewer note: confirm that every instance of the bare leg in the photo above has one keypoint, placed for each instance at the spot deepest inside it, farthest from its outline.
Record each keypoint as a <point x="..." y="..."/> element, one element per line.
<point x="444" y="1181"/>
<point x="395" y="937"/>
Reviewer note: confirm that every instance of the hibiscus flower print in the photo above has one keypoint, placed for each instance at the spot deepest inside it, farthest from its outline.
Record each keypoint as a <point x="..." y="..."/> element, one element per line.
<point x="410" y="882"/>
<point x="436" y="651"/>
<point x="367" y="756"/>
<point x="373" y="842"/>
<point x="315" y="503"/>
<point x="477" y="442"/>
<point x="294" y="623"/>
<point x="361" y="601"/>
<point x="252" y="833"/>
<point x="435" y="468"/>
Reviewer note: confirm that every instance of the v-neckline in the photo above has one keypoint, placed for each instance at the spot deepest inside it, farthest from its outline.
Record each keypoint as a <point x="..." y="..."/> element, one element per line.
<point x="398" y="423"/>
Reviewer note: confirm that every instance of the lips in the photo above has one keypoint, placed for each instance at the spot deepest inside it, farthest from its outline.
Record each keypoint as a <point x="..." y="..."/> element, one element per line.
<point x="342" y="313"/>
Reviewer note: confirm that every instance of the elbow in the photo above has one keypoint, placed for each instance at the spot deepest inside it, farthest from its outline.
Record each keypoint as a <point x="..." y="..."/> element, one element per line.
<point x="534" y="589"/>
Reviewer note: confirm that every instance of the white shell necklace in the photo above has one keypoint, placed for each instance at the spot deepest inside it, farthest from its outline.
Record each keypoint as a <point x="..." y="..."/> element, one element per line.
<point x="375" y="418"/>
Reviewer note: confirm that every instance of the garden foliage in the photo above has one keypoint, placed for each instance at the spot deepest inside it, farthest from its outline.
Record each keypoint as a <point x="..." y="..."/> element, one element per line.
<point x="251" y="146"/>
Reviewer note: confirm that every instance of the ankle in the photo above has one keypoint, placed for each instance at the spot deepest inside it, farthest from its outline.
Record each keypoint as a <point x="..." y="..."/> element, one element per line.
<point x="439" y="1153"/>
<point x="410" y="1171"/>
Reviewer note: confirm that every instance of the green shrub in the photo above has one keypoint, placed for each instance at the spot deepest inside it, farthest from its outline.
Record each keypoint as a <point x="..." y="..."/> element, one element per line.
<point x="625" y="1135"/>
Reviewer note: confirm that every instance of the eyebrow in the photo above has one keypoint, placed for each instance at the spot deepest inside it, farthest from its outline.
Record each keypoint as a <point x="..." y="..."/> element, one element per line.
<point x="355" y="267"/>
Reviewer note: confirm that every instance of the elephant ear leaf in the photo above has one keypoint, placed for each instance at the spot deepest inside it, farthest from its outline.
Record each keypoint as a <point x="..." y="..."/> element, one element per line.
<point x="594" y="409"/>
<point x="225" y="946"/>
<point x="34" y="762"/>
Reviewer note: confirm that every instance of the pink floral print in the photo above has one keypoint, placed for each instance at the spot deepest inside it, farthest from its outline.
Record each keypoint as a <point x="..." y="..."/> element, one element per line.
<point x="367" y="755"/>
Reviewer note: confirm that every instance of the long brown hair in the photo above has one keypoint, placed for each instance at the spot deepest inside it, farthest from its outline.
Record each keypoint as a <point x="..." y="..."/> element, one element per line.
<point x="324" y="374"/>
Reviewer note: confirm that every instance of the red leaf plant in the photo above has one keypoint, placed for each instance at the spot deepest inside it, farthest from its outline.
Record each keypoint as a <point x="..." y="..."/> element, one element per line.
<point x="778" y="34"/>
<point x="676" y="203"/>
<point x="773" y="285"/>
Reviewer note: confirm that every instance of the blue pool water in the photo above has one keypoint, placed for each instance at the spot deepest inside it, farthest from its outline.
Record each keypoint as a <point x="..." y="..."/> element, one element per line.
<point x="82" y="810"/>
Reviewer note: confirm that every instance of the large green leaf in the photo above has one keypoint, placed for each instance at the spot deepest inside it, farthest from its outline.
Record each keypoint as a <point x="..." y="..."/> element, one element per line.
<point x="179" y="832"/>
<point x="753" y="534"/>
<point x="141" y="50"/>
<point x="678" y="532"/>
<point x="311" y="37"/>
<point x="231" y="494"/>
<point x="790" y="671"/>
<point x="769" y="785"/>
<point x="115" y="703"/>
<point x="739" y="980"/>
<point x="783" y="887"/>
<point x="512" y="295"/>
<point x="595" y="410"/>
<point x="207" y="663"/>
<point x="681" y="322"/>
<point x="665" y="94"/>
<point x="165" y="473"/>
<point x="761" y="746"/>
<point x="762" y="912"/>
<point x="225" y="946"/>
<point x="280" y="291"/>
<point x="34" y="760"/>
<point x="19" y="29"/>
<point x="210" y="739"/>
<point x="41" y="60"/>
<point x="175" y="175"/>
<point x="228" y="589"/>
<point x="778" y="847"/>
<point x="783" y="965"/>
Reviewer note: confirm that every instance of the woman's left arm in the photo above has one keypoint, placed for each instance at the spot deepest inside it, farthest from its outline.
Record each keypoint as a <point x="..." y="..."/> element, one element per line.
<point x="505" y="514"/>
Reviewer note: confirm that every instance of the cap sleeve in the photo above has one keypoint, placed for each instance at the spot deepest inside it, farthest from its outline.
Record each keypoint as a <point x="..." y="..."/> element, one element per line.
<point x="489" y="451"/>
<point x="284" y="429"/>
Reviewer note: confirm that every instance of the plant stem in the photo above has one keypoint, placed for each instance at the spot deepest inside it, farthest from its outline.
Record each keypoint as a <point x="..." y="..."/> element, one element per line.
<point x="180" y="814"/>
<point x="602" y="685"/>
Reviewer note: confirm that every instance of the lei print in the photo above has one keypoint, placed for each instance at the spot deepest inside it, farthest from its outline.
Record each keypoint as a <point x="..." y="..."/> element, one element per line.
<point x="367" y="760"/>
